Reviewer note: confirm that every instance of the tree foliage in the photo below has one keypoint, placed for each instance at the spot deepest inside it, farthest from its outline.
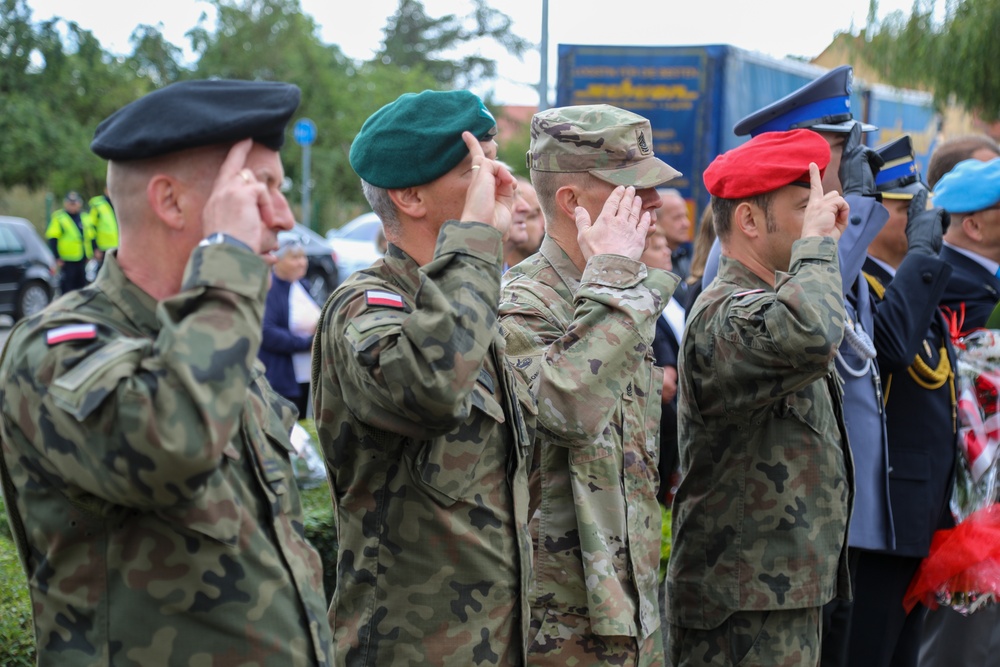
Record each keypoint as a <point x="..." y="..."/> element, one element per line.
<point x="58" y="83"/>
<point x="951" y="50"/>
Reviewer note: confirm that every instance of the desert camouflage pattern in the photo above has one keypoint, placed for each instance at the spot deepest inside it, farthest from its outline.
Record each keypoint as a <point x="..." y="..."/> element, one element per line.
<point x="776" y="638"/>
<point x="760" y="517"/>
<point x="613" y="144"/>
<point x="582" y="343"/>
<point x="428" y="454"/>
<point x="151" y="473"/>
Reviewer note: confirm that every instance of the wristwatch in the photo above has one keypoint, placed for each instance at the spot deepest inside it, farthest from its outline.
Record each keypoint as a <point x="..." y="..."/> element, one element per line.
<point x="220" y="237"/>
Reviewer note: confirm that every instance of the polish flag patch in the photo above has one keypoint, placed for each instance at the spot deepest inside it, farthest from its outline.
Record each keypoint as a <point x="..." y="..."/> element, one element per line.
<point x="374" y="297"/>
<point x="71" y="332"/>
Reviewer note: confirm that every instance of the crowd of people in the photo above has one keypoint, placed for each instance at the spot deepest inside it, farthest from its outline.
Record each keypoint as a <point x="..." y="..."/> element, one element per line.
<point x="506" y="398"/>
<point x="77" y="237"/>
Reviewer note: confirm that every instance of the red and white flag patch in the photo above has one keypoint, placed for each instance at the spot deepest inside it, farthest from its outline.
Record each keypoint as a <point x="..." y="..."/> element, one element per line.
<point x="374" y="297"/>
<point x="71" y="332"/>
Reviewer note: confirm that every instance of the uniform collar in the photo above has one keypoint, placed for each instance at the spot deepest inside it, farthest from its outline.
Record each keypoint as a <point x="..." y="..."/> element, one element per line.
<point x="733" y="271"/>
<point x="404" y="269"/>
<point x="561" y="263"/>
<point x="138" y="306"/>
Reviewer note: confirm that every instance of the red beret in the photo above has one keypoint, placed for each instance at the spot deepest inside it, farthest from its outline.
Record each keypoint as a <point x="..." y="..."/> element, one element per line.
<point x="766" y="163"/>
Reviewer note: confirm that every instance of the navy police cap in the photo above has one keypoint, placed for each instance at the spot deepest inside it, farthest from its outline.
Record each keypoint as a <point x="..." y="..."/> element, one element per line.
<point x="823" y="105"/>
<point x="899" y="177"/>
<point x="191" y="114"/>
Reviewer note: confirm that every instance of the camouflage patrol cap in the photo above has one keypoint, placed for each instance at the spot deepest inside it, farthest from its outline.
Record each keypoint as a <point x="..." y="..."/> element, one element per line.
<point x="612" y="144"/>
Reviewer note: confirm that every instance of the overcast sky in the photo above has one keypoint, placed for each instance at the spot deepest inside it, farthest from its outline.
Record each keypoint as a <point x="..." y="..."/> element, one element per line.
<point x="773" y="27"/>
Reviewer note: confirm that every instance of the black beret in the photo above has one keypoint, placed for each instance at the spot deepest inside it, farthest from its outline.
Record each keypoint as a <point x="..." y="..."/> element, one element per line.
<point x="190" y="114"/>
<point x="418" y="138"/>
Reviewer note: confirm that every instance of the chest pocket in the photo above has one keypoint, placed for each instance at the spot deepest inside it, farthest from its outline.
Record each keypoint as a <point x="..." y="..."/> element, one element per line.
<point x="449" y="467"/>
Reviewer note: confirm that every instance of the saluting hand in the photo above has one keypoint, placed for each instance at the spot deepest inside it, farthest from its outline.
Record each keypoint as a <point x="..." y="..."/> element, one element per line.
<point x="490" y="198"/>
<point x="239" y="204"/>
<point x="826" y="213"/>
<point x="620" y="229"/>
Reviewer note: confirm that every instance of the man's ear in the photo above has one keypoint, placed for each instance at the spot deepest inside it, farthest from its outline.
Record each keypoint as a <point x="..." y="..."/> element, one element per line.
<point x="972" y="227"/>
<point x="163" y="194"/>
<point x="748" y="219"/>
<point x="567" y="199"/>
<point x="409" y="201"/>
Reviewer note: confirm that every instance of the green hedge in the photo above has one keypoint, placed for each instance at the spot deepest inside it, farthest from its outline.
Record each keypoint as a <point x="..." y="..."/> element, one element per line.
<point x="17" y="636"/>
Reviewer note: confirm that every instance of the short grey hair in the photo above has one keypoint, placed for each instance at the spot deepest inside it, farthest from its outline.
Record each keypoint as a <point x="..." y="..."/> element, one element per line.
<point x="383" y="206"/>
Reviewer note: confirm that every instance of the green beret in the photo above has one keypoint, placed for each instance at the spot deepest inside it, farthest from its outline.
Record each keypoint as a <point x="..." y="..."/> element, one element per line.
<point x="418" y="138"/>
<point x="191" y="114"/>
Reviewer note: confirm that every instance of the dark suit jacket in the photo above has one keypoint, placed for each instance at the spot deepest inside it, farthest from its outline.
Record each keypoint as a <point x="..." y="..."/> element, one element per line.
<point x="919" y="421"/>
<point x="665" y="350"/>
<point x="972" y="285"/>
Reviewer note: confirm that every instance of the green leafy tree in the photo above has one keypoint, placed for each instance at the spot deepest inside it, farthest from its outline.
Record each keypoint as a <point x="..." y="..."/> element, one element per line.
<point x="414" y="39"/>
<point x="952" y="52"/>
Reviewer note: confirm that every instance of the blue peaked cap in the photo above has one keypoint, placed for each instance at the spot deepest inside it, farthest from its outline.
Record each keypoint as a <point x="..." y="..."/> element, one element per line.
<point x="899" y="177"/>
<point x="971" y="186"/>
<point x="823" y="105"/>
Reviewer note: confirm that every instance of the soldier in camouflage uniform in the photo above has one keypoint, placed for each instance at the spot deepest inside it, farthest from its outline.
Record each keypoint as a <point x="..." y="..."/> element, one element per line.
<point x="579" y="318"/>
<point x="146" y="459"/>
<point x="761" y="513"/>
<point x="418" y="411"/>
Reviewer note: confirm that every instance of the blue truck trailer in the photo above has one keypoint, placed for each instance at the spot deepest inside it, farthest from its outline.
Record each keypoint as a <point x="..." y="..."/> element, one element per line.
<point x="694" y="95"/>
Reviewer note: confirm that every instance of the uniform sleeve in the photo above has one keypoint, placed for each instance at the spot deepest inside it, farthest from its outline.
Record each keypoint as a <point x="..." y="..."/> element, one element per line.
<point x="773" y="344"/>
<point x="412" y="369"/>
<point x="578" y="371"/>
<point x="867" y="218"/>
<point x="907" y="308"/>
<point x="135" y="421"/>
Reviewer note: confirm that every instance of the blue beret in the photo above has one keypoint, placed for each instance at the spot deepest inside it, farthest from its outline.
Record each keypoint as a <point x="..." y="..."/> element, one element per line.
<point x="823" y="105"/>
<point x="418" y="138"/>
<point x="971" y="186"/>
<point x="766" y="163"/>
<point x="899" y="177"/>
<point x="191" y="114"/>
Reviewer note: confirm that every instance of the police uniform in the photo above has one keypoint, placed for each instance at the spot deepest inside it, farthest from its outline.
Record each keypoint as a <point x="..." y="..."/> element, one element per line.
<point x="760" y="518"/>
<point x="103" y="222"/>
<point x="420" y="421"/>
<point x="583" y="341"/>
<point x="71" y="239"/>
<point x="146" y="459"/>
<point x="919" y="394"/>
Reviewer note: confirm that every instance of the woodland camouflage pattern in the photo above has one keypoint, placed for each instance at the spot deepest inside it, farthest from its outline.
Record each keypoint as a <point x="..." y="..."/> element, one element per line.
<point x="428" y="453"/>
<point x="761" y="514"/>
<point x="152" y="475"/>
<point x="583" y="345"/>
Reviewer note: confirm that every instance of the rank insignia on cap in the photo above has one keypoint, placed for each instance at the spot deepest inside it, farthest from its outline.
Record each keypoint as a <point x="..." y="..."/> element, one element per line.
<point x="374" y="297"/>
<point x="71" y="332"/>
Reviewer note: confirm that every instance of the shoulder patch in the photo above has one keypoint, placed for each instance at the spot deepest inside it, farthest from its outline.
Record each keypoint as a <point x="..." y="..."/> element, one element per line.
<point x="71" y="332"/>
<point x="374" y="297"/>
<point x="739" y="295"/>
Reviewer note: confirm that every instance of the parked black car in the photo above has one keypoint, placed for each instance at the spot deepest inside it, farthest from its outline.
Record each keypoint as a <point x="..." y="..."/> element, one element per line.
<point x="27" y="269"/>
<point x="322" y="274"/>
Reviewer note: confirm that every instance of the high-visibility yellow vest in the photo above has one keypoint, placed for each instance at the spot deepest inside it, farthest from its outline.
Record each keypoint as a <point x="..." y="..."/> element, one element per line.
<point x="103" y="222"/>
<point x="71" y="246"/>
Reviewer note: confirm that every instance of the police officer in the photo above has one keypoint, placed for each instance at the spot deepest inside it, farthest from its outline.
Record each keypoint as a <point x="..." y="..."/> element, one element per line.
<point x="71" y="239"/>
<point x="579" y="319"/>
<point x="145" y="457"/>
<point x="417" y="409"/>
<point x="104" y="224"/>
<point x="761" y="512"/>
<point x="919" y="392"/>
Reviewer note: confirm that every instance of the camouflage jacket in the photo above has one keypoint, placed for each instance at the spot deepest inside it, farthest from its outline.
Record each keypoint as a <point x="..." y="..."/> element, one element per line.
<point x="761" y="514"/>
<point x="583" y="343"/>
<point x="151" y="465"/>
<point x="428" y="453"/>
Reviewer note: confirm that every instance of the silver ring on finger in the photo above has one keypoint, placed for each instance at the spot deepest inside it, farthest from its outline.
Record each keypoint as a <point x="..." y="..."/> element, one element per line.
<point x="246" y="174"/>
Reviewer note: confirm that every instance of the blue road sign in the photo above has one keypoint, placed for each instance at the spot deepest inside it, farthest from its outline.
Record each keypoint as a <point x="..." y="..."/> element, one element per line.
<point x="304" y="132"/>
